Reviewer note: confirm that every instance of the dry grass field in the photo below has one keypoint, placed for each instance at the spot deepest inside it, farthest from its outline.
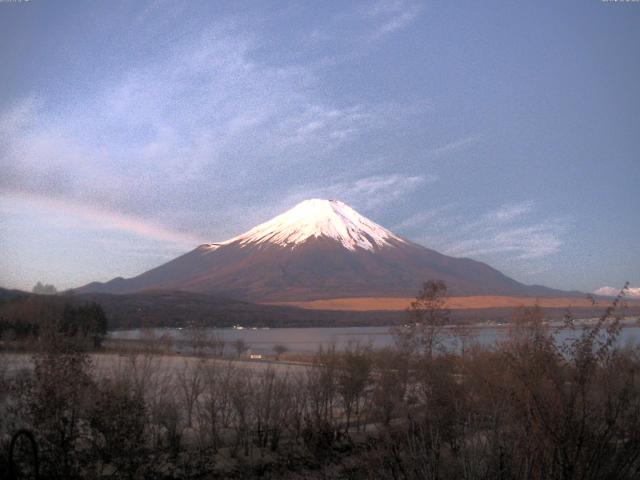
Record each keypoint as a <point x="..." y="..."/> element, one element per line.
<point x="167" y="365"/>
<point x="455" y="303"/>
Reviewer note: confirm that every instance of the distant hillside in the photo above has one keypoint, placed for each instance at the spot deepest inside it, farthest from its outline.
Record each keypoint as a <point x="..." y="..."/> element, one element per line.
<point x="6" y="294"/>
<point x="179" y="309"/>
<point x="172" y="309"/>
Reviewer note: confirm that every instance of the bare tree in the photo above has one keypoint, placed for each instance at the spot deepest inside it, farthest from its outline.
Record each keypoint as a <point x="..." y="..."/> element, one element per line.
<point x="218" y="344"/>
<point x="390" y="378"/>
<point x="240" y="346"/>
<point x="118" y="419"/>
<point x="58" y="400"/>
<point x="240" y="397"/>
<point x="354" y="377"/>
<point x="214" y="409"/>
<point x="269" y="405"/>
<point x="463" y="335"/>
<point x="321" y="385"/>
<point x="191" y="385"/>
<point x="280" y="350"/>
<point x="427" y="316"/>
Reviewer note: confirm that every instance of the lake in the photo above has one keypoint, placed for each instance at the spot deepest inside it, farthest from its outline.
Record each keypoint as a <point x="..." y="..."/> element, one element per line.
<point x="308" y="340"/>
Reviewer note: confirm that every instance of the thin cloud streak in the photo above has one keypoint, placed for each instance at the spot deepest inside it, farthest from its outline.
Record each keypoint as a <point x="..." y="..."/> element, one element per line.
<point x="367" y="25"/>
<point x="370" y="193"/>
<point x="96" y="218"/>
<point x="393" y="15"/>
<point x="455" y="145"/>
<point x="522" y="243"/>
<point x="505" y="234"/>
<point x="434" y="217"/>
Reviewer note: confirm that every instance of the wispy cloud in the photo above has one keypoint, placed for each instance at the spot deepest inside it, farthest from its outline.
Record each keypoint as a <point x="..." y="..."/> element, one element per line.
<point x="521" y="243"/>
<point x="361" y="28"/>
<point x="433" y="218"/>
<point x="456" y="145"/>
<point x="633" y="292"/>
<point x="206" y="117"/>
<point x="392" y="15"/>
<point x="505" y="214"/>
<point x="88" y="217"/>
<point x="371" y="192"/>
<point x="511" y="233"/>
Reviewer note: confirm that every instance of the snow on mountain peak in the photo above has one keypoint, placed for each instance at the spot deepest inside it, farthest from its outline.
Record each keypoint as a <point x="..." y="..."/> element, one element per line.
<point x="316" y="218"/>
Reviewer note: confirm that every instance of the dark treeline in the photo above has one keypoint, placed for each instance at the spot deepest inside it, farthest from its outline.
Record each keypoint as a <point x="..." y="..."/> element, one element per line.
<point x="24" y="321"/>
<point x="183" y="309"/>
<point x="528" y="408"/>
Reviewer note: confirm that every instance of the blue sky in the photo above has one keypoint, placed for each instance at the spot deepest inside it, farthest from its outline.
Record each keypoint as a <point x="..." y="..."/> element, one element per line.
<point x="508" y="132"/>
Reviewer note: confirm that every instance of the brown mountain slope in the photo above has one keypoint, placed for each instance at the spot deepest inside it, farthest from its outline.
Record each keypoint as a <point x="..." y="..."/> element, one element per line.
<point x="319" y="269"/>
<point x="319" y="249"/>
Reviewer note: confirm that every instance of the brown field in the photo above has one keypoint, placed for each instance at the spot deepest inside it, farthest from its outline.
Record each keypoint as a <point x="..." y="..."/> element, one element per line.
<point x="460" y="303"/>
<point x="165" y="365"/>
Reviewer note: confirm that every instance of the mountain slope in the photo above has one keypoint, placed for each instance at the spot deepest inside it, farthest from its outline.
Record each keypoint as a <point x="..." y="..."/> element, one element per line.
<point x="7" y="294"/>
<point x="319" y="249"/>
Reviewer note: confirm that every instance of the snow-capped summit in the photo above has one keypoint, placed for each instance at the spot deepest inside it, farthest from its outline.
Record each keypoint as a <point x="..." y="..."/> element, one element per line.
<point x="317" y="218"/>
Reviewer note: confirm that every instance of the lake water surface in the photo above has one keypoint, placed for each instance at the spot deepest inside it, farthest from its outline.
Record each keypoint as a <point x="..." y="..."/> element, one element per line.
<point x="308" y="340"/>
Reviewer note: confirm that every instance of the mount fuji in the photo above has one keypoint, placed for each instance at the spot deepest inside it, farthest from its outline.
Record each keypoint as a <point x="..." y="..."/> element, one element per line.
<point x="319" y="249"/>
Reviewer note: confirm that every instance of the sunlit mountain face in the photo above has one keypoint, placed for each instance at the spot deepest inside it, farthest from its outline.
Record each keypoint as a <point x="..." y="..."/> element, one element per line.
<point x="318" y="249"/>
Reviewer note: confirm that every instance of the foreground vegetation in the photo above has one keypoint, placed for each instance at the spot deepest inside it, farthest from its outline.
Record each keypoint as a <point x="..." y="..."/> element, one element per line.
<point x="528" y="408"/>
